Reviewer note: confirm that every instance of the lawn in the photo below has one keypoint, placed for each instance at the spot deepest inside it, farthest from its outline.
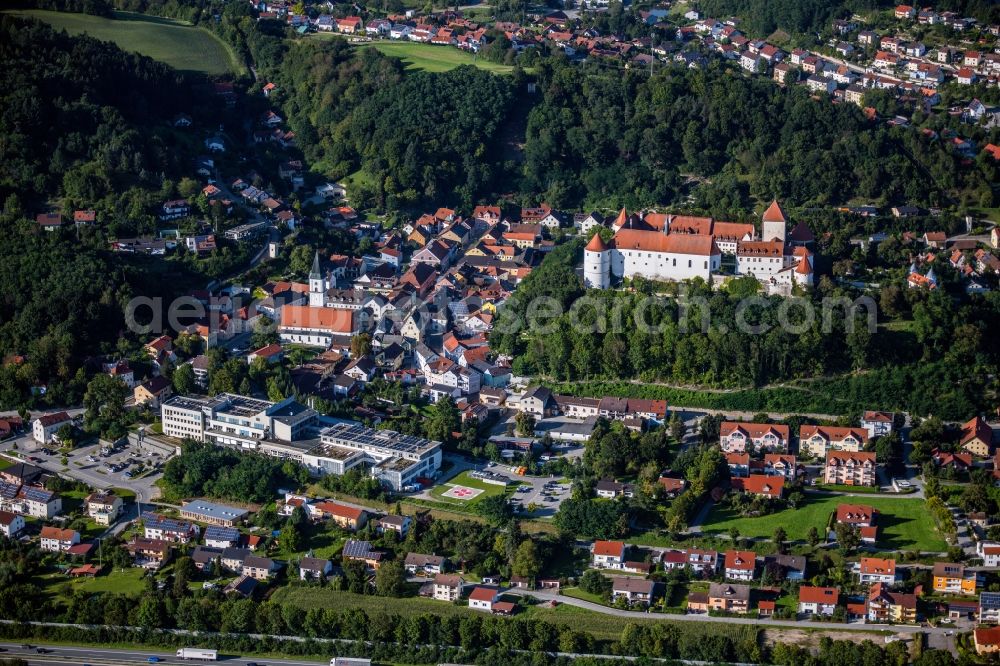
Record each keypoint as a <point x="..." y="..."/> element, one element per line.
<point x="904" y="524"/>
<point x="463" y="479"/>
<point x="430" y="58"/>
<point x="178" y="44"/>
<point x="129" y="581"/>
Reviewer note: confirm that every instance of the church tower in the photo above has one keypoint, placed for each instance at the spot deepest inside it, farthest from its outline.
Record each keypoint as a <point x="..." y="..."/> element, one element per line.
<point x="317" y="285"/>
<point x="774" y="223"/>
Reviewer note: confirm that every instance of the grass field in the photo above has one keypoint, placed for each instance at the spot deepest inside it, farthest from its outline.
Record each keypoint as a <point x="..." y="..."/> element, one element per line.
<point x="431" y="58"/>
<point x="178" y="44"/>
<point x="904" y="524"/>
<point x="600" y="625"/>
<point x="121" y="582"/>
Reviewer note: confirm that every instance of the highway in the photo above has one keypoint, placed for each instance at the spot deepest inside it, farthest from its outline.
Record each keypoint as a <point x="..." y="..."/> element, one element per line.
<point x="100" y="656"/>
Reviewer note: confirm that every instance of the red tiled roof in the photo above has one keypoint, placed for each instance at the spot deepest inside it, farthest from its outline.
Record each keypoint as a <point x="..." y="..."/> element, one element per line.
<point x="334" y="320"/>
<point x="818" y="595"/>
<point x="615" y="548"/>
<point x="654" y="241"/>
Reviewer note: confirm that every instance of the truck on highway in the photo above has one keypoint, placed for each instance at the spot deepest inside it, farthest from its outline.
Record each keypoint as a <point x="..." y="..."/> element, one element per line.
<point x="198" y="653"/>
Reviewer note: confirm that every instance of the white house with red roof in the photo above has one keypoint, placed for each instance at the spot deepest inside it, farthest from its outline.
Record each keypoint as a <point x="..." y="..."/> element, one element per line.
<point x="740" y="564"/>
<point x="735" y="437"/>
<point x="608" y="554"/>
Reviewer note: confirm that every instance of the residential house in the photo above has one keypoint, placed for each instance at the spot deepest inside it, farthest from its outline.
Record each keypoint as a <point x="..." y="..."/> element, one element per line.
<point x="258" y="568"/>
<point x="315" y="568"/>
<point x="818" y="600"/>
<point x="398" y="524"/>
<point x="610" y="489"/>
<point x="703" y="562"/>
<point x="817" y="440"/>
<point x="781" y="464"/>
<point x="483" y="597"/>
<point x="885" y="606"/>
<point x="762" y="485"/>
<point x="57" y="540"/>
<point x="350" y="518"/>
<point x="876" y="570"/>
<point x="633" y="590"/>
<point x="989" y="552"/>
<point x="737" y="437"/>
<point x="103" y="507"/>
<point x="729" y="598"/>
<point x="149" y="553"/>
<point x="977" y="437"/>
<point x="153" y="392"/>
<point x="448" y="587"/>
<point x="850" y="468"/>
<point x="877" y="424"/>
<point x="954" y="579"/>
<point x="221" y="537"/>
<point x="788" y="567"/>
<point x="418" y="563"/>
<point x="45" y="427"/>
<point x="608" y="554"/>
<point x="986" y="640"/>
<point x="989" y="607"/>
<point x="156" y="526"/>
<point x="11" y="524"/>
<point x="739" y="465"/>
<point x="740" y="564"/>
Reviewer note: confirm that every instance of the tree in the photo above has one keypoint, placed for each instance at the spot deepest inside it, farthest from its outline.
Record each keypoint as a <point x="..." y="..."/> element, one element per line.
<point x="594" y="582"/>
<point x="526" y="561"/>
<point x="780" y="536"/>
<point x="495" y="509"/>
<point x="361" y="345"/>
<point x="390" y="579"/>
<point x="183" y="380"/>
<point x="524" y="424"/>
<point x="813" y="536"/>
<point x="104" y="403"/>
<point x="848" y="537"/>
<point x="442" y="420"/>
<point x="290" y="539"/>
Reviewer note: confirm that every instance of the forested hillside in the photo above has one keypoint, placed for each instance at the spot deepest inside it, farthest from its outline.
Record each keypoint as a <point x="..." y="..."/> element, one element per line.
<point x="601" y="138"/>
<point x="419" y="138"/>
<point x="83" y="125"/>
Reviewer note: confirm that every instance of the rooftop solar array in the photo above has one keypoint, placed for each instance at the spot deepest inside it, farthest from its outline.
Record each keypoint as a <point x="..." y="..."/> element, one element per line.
<point x="216" y="533"/>
<point x="354" y="548"/>
<point x="155" y="521"/>
<point x="362" y="436"/>
<point x="8" y="490"/>
<point x="36" y="494"/>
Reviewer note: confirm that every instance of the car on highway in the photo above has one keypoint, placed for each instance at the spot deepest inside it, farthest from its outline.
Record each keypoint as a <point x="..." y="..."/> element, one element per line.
<point x="42" y="650"/>
<point x="154" y="660"/>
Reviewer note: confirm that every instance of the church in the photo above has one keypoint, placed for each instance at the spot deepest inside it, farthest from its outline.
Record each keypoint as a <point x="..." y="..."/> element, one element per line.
<point x="672" y="248"/>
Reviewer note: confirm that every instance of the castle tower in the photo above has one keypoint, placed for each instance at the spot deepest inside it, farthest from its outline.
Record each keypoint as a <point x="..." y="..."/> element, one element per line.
<point x="774" y="223"/>
<point x="317" y="285"/>
<point x="596" y="264"/>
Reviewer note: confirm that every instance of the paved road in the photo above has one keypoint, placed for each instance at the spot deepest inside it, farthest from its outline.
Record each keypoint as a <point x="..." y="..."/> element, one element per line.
<point x="638" y="615"/>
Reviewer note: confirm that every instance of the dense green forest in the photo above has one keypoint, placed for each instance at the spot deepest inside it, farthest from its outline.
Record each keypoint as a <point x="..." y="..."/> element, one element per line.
<point x="601" y="138"/>
<point x="915" y="364"/>
<point x="426" y="139"/>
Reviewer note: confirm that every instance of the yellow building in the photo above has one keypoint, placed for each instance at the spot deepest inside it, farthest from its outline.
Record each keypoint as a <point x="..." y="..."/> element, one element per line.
<point x="952" y="578"/>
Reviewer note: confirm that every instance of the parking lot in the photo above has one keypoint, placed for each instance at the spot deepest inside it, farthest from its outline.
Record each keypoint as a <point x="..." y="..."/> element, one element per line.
<point x="124" y="467"/>
<point x="545" y="492"/>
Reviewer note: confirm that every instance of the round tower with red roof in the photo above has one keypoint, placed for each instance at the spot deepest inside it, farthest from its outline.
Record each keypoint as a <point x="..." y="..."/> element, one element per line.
<point x="597" y="263"/>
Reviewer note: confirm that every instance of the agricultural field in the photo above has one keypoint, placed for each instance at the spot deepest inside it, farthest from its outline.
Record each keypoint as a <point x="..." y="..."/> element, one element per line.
<point x="176" y="43"/>
<point x="429" y="58"/>
<point x="904" y="524"/>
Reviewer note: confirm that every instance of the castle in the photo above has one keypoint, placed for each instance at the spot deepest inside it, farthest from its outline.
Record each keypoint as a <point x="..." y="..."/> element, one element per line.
<point x="664" y="247"/>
